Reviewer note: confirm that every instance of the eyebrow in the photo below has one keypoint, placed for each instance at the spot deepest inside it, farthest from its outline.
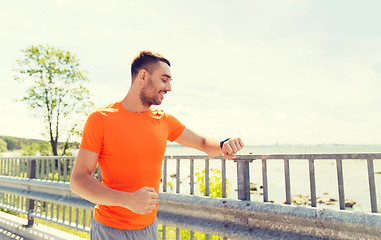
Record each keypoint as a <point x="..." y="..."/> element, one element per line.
<point x="167" y="76"/>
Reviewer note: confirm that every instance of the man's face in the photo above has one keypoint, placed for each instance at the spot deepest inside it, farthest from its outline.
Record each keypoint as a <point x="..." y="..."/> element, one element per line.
<point x="157" y="85"/>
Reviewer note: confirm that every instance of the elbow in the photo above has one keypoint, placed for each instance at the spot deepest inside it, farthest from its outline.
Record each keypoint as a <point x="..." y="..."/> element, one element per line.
<point x="204" y="146"/>
<point x="73" y="184"/>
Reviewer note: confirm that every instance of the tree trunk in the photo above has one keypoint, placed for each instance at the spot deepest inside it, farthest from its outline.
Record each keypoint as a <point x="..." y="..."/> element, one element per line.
<point x="55" y="153"/>
<point x="54" y="147"/>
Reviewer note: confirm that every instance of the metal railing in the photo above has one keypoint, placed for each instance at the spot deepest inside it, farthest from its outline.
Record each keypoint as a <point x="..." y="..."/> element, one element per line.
<point x="243" y="173"/>
<point x="38" y="187"/>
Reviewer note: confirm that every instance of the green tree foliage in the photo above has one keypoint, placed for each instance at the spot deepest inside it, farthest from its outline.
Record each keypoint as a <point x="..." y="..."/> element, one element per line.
<point x="36" y="149"/>
<point x="215" y="190"/>
<point x="12" y="143"/>
<point x="3" y="146"/>
<point x="215" y="183"/>
<point x="56" y="92"/>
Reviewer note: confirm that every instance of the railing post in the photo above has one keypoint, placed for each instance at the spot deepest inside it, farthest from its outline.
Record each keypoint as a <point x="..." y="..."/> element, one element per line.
<point x="30" y="202"/>
<point x="340" y="183"/>
<point x="287" y="181"/>
<point x="243" y="180"/>
<point x="372" y="186"/>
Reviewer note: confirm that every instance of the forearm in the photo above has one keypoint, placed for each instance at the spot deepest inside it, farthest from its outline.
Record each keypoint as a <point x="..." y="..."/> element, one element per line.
<point x="211" y="147"/>
<point x="93" y="190"/>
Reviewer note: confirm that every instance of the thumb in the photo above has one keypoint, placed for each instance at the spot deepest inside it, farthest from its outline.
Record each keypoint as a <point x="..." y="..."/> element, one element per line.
<point x="229" y="156"/>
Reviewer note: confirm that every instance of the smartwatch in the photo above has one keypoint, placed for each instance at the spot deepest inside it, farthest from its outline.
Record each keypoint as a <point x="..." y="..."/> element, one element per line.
<point x="222" y="142"/>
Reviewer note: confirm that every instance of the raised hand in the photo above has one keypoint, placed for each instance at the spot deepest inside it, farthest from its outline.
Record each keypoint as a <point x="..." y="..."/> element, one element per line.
<point x="231" y="147"/>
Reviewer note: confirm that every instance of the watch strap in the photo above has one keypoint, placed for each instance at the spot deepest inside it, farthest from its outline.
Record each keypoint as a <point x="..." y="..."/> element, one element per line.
<point x="222" y="142"/>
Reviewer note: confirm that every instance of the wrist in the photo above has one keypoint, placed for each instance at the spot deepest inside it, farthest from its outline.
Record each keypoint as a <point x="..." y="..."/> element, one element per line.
<point x="222" y="142"/>
<point x="124" y="199"/>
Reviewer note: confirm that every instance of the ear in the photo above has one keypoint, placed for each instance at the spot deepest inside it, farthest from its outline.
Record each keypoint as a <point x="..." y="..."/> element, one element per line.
<point x="142" y="76"/>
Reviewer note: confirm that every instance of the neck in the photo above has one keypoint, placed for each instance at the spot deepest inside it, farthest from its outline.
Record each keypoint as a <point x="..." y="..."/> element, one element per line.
<point x="133" y="103"/>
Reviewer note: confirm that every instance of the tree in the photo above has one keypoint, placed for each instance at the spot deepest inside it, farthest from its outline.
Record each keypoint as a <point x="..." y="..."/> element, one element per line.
<point x="56" y="91"/>
<point x="12" y="142"/>
<point x="35" y="149"/>
<point x="3" y="145"/>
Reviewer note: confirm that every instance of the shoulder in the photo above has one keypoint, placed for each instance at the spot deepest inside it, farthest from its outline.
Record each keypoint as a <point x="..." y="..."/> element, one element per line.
<point x="107" y="110"/>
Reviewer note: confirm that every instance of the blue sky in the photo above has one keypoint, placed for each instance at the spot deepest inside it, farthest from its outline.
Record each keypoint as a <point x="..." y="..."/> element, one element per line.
<point x="287" y="72"/>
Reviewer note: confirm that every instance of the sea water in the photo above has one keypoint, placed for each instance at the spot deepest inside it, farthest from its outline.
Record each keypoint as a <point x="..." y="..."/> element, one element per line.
<point x="355" y="173"/>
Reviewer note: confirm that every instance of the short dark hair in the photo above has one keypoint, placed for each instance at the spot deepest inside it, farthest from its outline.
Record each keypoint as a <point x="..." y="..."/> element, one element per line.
<point x="146" y="60"/>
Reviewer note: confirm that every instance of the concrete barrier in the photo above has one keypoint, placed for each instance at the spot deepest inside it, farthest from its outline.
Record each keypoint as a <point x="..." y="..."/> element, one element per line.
<point x="256" y="220"/>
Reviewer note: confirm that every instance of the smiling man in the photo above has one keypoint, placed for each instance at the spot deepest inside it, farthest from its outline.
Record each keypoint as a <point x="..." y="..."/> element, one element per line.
<point x="128" y="139"/>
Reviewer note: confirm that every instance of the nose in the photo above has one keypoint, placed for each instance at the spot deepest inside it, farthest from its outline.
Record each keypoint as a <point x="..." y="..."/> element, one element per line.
<point x="168" y="86"/>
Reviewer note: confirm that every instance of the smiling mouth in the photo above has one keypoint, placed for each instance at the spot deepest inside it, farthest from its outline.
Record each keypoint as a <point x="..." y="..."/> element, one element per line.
<point x="162" y="93"/>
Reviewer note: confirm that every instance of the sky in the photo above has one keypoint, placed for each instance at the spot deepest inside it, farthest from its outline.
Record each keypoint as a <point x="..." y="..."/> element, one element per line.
<point x="270" y="72"/>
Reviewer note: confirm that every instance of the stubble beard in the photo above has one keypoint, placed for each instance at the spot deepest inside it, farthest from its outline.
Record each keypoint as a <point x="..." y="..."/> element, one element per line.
<point x="146" y="95"/>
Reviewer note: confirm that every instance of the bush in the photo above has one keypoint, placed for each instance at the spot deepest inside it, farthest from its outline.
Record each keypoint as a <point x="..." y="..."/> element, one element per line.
<point x="3" y="146"/>
<point x="215" y="183"/>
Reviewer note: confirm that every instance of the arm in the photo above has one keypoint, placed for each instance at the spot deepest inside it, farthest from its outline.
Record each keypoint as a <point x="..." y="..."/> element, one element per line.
<point x="209" y="145"/>
<point x="142" y="201"/>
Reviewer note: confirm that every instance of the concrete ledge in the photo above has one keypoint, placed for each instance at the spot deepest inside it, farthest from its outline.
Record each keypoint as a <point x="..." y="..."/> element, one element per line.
<point x="15" y="224"/>
<point x="257" y="220"/>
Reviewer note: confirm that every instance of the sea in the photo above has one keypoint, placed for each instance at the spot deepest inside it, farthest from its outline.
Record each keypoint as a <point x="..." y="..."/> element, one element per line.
<point x="355" y="174"/>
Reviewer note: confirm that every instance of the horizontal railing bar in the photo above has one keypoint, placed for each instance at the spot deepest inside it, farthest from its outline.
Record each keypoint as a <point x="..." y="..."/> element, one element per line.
<point x="246" y="157"/>
<point x="45" y="186"/>
<point x="246" y="220"/>
<point x="47" y="191"/>
<point x="51" y="198"/>
<point x="250" y="157"/>
<point x="347" y="156"/>
<point x="40" y="157"/>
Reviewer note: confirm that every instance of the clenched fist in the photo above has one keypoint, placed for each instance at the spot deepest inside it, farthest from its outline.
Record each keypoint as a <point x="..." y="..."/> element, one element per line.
<point x="231" y="147"/>
<point x="142" y="201"/>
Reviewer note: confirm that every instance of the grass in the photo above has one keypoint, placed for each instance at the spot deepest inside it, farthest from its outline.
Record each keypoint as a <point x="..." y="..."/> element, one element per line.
<point x="184" y="234"/>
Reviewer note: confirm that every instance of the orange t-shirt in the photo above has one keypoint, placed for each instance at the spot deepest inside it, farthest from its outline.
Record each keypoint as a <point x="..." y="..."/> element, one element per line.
<point x="131" y="148"/>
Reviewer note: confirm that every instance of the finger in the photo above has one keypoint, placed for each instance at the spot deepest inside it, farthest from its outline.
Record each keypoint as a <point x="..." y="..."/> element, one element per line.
<point x="229" y="156"/>
<point x="240" y="143"/>
<point x="228" y="149"/>
<point x="154" y="199"/>
<point x="151" y="200"/>
<point x="151" y="208"/>
<point x="154" y="195"/>
<point x="234" y="147"/>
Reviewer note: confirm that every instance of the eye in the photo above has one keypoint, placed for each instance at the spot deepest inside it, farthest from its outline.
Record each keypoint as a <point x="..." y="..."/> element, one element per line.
<point x="164" y="80"/>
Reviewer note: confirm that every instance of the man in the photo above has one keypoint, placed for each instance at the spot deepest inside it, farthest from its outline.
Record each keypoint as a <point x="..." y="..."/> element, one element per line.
<point x="128" y="140"/>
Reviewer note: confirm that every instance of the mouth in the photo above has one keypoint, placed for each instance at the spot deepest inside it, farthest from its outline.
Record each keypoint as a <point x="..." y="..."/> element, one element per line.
<point x="162" y="93"/>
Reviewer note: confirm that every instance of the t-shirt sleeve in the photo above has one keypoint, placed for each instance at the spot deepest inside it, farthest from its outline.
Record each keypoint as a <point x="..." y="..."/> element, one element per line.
<point x="175" y="127"/>
<point x="92" y="136"/>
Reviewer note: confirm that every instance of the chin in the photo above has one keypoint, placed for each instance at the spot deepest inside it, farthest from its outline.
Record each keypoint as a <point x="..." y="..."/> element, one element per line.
<point x="157" y="103"/>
